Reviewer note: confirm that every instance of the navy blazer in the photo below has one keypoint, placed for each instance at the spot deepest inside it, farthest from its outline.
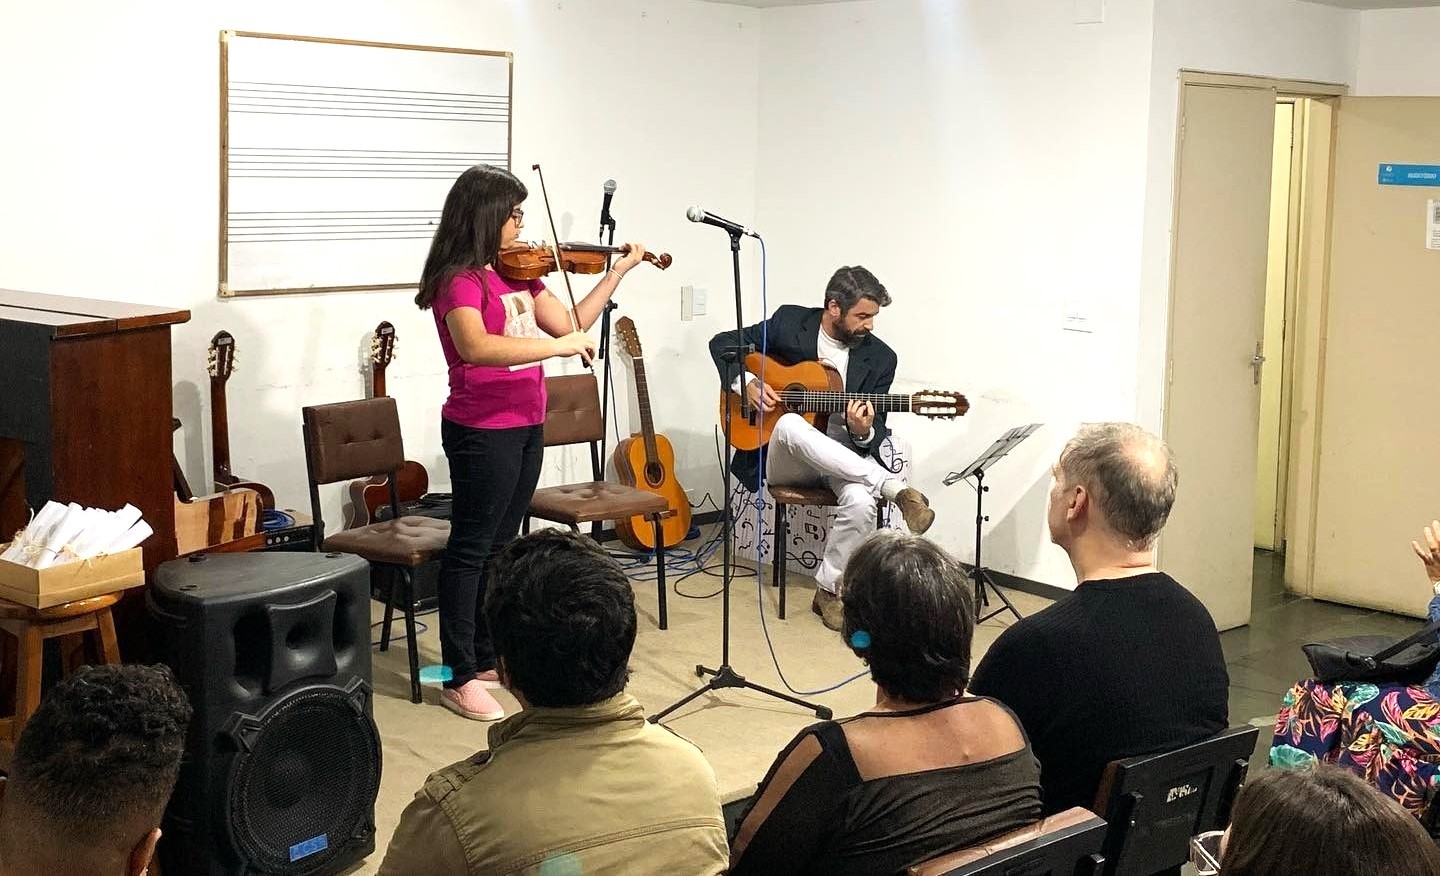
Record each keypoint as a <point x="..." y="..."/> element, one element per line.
<point x="792" y="335"/>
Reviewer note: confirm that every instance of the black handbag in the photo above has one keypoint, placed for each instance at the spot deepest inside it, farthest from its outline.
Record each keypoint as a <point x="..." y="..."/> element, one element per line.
<point x="1377" y="658"/>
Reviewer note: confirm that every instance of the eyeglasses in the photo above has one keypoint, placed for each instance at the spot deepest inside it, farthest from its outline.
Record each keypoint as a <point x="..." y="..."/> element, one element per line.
<point x="1205" y="852"/>
<point x="518" y="215"/>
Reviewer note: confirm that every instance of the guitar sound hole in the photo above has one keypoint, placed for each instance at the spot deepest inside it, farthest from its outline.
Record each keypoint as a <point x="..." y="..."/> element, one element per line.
<point x="654" y="474"/>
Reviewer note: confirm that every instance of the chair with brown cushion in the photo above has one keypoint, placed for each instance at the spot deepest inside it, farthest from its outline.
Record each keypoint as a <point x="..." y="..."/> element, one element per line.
<point x="1065" y="844"/>
<point x="572" y="416"/>
<point x="86" y="630"/>
<point x="815" y="497"/>
<point x="361" y="439"/>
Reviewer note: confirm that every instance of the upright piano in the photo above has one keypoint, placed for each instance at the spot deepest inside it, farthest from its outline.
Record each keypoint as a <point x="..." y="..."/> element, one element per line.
<point x="85" y="392"/>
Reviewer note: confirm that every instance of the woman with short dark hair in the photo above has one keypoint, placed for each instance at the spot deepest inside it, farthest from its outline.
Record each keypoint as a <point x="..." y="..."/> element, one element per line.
<point x="928" y="770"/>
<point x="1322" y="820"/>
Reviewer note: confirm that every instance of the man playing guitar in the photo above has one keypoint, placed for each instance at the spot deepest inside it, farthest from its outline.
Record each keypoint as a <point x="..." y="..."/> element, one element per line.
<point x="845" y="456"/>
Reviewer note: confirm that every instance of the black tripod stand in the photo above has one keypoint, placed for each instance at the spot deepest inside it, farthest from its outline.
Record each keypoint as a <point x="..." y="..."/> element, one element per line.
<point x="724" y="676"/>
<point x="976" y="470"/>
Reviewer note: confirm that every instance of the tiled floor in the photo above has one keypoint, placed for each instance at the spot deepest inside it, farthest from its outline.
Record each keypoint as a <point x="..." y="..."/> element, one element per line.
<point x="1265" y="659"/>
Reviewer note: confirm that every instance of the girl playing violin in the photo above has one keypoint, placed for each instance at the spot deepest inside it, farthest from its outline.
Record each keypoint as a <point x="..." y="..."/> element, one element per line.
<point x="494" y="333"/>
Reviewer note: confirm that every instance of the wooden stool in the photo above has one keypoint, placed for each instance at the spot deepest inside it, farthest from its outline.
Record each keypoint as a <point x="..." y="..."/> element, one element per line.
<point x="818" y="497"/>
<point x="22" y="652"/>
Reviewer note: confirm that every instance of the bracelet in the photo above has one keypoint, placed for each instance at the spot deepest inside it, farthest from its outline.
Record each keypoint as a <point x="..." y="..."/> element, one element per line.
<point x="618" y="275"/>
<point x="1436" y="585"/>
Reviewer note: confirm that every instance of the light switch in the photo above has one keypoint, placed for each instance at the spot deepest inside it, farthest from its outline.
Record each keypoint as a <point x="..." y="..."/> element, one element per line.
<point x="1089" y="11"/>
<point x="687" y="303"/>
<point x="698" y="303"/>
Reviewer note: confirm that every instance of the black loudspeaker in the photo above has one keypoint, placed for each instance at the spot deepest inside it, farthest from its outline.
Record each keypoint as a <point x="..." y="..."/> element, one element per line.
<point x="282" y="763"/>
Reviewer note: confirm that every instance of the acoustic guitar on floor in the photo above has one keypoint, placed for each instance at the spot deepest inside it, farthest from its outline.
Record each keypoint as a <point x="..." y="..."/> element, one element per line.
<point x="411" y="480"/>
<point x="815" y="391"/>
<point x="646" y="461"/>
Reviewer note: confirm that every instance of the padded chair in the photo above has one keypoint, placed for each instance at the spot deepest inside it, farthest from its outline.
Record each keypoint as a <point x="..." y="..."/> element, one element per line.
<point x="1155" y="803"/>
<point x="815" y="497"/>
<point x="572" y="416"/>
<point x="361" y="439"/>
<point x="1065" y="844"/>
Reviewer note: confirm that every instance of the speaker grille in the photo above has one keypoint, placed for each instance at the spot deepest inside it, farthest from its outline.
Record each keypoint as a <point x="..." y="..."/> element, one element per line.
<point x="306" y="776"/>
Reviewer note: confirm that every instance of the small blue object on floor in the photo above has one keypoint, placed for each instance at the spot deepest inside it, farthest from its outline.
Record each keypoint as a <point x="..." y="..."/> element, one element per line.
<point x="435" y="674"/>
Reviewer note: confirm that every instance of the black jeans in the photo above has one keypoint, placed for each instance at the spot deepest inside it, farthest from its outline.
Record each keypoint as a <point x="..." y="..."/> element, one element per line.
<point x="492" y="477"/>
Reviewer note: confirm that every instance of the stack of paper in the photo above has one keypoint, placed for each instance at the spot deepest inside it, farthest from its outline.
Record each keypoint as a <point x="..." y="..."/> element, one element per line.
<point x="65" y="533"/>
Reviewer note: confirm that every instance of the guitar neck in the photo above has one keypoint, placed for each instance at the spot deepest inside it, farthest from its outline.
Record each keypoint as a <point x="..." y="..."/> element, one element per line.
<point x="831" y="402"/>
<point x="377" y="381"/>
<point x="220" y="432"/>
<point x="647" y="423"/>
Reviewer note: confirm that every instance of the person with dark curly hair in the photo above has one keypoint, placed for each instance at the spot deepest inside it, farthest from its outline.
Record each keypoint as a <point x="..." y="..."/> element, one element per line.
<point x="929" y="770"/>
<point x="1322" y="821"/>
<point x="92" y="773"/>
<point x="579" y="781"/>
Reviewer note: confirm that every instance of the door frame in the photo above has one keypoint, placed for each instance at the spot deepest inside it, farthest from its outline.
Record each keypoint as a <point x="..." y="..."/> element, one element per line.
<point x="1315" y="288"/>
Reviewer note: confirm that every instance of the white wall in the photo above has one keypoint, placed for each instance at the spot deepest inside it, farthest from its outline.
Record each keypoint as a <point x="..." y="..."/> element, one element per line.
<point x="108" y="189"/>
<point x="1278" y="38"/>
<point x="1398" y="52"/>
<point x="983" y="159"/>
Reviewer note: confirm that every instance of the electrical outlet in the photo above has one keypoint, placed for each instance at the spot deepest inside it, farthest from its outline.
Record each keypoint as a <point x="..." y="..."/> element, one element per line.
<point x="687" y="303"/>
<point x="697" y="303"/>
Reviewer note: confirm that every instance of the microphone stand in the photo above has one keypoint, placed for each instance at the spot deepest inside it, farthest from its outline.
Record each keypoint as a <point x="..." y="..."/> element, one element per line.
<point x="602" y="352"/>
<point x="724" y="676"/>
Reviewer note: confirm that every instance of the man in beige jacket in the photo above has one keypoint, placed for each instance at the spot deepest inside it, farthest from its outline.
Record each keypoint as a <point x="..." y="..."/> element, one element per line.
<point x="579" y="781"/>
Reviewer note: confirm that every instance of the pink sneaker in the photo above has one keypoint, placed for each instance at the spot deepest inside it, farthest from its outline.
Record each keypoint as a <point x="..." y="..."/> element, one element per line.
<point x="490" y="679"/>
<point x="471" y="700"/>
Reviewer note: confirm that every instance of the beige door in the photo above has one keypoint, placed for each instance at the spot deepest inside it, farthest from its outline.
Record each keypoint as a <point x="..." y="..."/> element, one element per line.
<point x="1216" y="322"/>
<point x="1378" y="481"/>
<point x="1268" y="455"/>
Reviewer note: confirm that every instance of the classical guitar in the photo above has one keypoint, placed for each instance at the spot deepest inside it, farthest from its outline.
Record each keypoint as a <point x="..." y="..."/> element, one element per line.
<point x="411" y="480"/>
<point x="815" y="391"/>
<point x="220" y="363"/>
<point x="646" y="461"/>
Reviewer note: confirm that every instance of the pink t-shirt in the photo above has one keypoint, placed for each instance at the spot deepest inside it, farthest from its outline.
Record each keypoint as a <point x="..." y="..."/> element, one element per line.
<point x="493" y="396"/>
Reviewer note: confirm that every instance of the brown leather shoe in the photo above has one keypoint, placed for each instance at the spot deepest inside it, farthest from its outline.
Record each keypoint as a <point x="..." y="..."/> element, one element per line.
<point x="915" y="508"/>
<point x="830" y="607"/>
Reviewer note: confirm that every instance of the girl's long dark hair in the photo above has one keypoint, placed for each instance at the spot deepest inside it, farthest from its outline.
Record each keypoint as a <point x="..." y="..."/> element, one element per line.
<point x="477" y="208"/>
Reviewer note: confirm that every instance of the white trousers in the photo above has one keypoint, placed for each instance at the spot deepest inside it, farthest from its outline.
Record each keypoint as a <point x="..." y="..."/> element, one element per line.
<point x="799" y="455"/>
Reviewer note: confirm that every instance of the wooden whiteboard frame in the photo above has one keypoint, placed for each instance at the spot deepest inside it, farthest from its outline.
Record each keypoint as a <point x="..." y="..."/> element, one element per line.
<point x="225" y="35"/>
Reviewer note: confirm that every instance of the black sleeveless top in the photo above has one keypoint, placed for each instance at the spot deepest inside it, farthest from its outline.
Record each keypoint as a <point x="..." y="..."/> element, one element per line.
<point x="833" y="822"/>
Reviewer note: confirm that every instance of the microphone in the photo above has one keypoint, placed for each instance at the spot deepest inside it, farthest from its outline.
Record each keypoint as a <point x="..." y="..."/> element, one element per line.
<point x="605" y="219"/>
<point x="695" y="214"/>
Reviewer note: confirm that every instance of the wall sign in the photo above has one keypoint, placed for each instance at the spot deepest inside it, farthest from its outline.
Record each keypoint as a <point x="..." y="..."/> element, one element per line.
<point x="1410" y="174"/>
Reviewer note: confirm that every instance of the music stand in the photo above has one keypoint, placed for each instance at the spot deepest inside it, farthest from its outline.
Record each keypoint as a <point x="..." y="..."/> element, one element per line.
<point x="976" y="470"/>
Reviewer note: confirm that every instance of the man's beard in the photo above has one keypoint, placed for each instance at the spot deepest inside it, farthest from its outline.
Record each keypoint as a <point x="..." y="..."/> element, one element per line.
<point x="850" y="339"/>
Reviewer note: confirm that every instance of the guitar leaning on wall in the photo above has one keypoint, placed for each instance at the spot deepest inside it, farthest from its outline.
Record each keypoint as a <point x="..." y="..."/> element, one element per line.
<point x="646" y="461"/>
<point x="220" y="363"/>
<point x="411" y="480"/>
<point x="815" y="391"/>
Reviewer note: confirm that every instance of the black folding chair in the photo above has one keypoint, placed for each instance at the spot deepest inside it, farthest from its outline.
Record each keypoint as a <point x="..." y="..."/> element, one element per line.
<point x="1156" y="802"/>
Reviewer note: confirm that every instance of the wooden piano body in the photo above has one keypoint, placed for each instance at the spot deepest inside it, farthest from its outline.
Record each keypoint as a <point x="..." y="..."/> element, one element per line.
<point x="85" y="390"/>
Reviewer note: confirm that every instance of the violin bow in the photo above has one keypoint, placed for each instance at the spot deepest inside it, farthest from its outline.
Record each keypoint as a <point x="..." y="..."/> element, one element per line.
<point x="555" y="244"/>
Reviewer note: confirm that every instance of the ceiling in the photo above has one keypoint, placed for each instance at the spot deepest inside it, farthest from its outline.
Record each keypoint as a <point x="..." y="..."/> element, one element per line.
<point x="1377" y="4"/>
<point x="1347" y="4"/>
<point x="763" y="4"/>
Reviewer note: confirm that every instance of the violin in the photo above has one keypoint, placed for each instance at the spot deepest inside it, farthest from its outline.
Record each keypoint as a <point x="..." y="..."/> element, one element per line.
<point x="532" y="261"/>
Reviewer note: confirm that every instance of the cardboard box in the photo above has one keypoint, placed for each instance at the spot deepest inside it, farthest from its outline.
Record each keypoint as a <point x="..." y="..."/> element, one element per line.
<point x="67" y="582"/>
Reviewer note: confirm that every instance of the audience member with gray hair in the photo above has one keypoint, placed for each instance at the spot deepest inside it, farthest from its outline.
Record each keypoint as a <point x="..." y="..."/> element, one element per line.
<point x="1131" y="663"/>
